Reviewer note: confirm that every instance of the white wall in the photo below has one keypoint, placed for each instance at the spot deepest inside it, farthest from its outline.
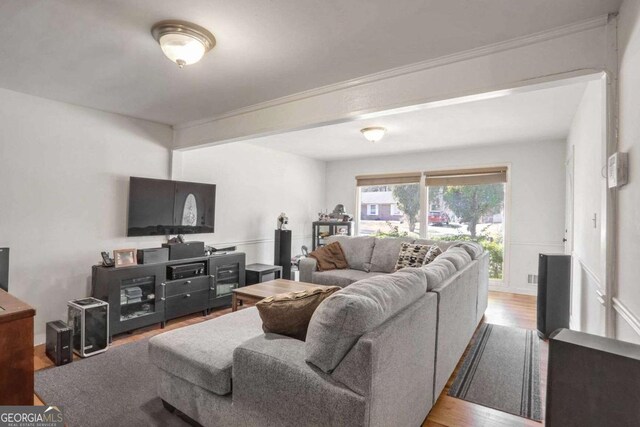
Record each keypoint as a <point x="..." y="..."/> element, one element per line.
<point x="627" y="299"/>
<point x="537" y="177"/>
<point x="585" y="141"/>
<point x="64" y="185"/>
<point x="255" y="184"/>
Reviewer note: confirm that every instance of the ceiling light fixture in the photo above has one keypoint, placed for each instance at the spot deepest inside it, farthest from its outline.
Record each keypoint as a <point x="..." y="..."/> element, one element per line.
<point x="373" y="134"/>
<point x="183" y="42"/>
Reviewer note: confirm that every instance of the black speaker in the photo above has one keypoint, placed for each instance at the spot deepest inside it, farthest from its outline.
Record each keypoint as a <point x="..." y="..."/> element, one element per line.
<point x="185" y="250"/>
<point x="58" y="346"/>
<point x="554" y="293"/>
<point x="153" y="255"/>
<point x="4" y="269"/>
<point x="282" y="252"/>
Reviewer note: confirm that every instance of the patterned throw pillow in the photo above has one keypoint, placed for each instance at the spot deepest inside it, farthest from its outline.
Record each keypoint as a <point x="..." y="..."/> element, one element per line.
<point x="433" y="252"/>
<point x="412" y="255"/>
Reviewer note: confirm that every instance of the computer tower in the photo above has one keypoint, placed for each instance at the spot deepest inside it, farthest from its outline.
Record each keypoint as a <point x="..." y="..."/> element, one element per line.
<point x="282" y="252"/>
<point x="89" y="321"/>
<point x="4" y="269"/>
<point x="58" y="346"/>
<point x="554" y="293"/>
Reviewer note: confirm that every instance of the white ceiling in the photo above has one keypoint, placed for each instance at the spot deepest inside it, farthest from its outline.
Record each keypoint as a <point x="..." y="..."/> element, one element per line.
<point x="540" y="115"/>
<point x="99" y="53"/>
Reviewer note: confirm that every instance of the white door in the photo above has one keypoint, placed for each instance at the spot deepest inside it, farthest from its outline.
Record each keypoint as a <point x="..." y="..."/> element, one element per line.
<point x="568" y="217"/>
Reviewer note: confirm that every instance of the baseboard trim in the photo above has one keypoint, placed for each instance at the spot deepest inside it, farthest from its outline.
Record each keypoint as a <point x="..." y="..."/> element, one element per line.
<point x="626" y="314"/>
<point x="529" y="290"/>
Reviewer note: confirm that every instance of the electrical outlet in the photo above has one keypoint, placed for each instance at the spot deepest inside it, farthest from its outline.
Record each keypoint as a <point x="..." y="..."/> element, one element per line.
<point x="532" y="279"/>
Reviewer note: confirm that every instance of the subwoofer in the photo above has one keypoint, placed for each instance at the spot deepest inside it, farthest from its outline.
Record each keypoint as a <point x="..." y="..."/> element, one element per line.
<point x="554" y="293"/>
<point x="282" y="252"/>
<point x="4" y="269"/>
<point x="58" y="347"/>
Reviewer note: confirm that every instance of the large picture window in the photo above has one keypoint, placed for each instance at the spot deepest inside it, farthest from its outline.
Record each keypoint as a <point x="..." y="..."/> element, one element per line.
<point x="464" y="204"/>
<point x="389" y="205"/>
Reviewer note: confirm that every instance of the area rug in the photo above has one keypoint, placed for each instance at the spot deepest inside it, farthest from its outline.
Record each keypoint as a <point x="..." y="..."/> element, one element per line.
<point x="502" y="371"/>
<point x="115" y="388"/>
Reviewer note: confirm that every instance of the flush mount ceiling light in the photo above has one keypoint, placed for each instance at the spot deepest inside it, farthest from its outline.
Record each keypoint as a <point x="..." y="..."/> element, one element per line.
<point x="373" y="134"/>
<point x="183" y="42"/>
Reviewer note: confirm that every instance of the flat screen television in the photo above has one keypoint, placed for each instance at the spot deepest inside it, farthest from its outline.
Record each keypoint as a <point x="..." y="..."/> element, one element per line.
<point x="160" y="207"/>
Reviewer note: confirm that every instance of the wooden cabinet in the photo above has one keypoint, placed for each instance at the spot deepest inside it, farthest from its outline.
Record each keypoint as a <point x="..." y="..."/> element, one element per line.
<point x="16" y="351"/>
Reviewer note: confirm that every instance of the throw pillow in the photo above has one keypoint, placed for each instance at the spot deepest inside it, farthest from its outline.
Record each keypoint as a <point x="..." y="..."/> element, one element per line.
<point x="412" y="255"/>
<point x="433" y="252"/>
<point x="330" y="257"/>
<point x="289" y="314"/>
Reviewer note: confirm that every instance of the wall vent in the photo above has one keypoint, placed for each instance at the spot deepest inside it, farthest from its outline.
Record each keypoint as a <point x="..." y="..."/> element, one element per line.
<point x="532" y="279"/>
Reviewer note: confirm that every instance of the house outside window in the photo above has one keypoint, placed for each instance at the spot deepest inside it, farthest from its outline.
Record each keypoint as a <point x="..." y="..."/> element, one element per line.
<point x="395" y="211"/>
<point x="372" y="209"/>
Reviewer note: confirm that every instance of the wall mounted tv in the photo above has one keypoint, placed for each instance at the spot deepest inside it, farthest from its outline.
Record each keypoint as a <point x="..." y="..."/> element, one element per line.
<point x="160" y="207"/>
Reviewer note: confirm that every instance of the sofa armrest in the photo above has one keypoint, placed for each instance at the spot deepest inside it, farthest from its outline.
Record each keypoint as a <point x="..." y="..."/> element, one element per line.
<point x="307" y="266"/>
<point x="272" y="380"/>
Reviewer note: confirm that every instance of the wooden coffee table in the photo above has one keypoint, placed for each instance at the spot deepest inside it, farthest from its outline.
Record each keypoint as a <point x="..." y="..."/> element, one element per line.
<point x="259" y="291"/>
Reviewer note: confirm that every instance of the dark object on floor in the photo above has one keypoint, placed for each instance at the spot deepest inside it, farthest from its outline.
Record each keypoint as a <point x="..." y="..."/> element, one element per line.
<point x="592" y="381"/>
<point x="502" y="371"/>
<point x="58" y="346"/>
<point x="116" y="388"/>
<point x="554" y="293"/>
<point x="282" y="252"/>
<point x="4" y="269"/>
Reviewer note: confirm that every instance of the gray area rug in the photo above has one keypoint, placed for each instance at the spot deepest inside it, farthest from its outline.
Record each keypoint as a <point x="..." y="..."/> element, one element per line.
<point x="502" y="371"/>
<point x="115" y="388"/>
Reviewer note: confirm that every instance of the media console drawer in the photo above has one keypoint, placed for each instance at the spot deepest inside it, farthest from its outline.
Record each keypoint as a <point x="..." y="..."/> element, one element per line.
<point x="191" y="302"/>
<point x="182" y="286"/>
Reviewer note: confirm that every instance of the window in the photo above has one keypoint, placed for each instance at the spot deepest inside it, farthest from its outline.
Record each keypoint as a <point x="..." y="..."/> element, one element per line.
<point x="469" y="205"/>
<point x="389" y="205"/>
<point x="464" y="204"/>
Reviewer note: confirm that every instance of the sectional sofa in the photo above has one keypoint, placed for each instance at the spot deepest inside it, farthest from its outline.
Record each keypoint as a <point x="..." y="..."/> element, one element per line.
<point x="377" y="353"/>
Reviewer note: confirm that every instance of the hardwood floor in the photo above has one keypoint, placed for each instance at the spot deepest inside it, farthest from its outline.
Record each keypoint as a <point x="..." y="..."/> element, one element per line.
<point x="508" y="310"/>
<point x="504" y="309"/>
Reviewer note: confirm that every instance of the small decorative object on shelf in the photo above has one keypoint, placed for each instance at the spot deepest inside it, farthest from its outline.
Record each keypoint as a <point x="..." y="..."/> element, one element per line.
<point x="324" y="229"/>
<point x="125" y="257"/>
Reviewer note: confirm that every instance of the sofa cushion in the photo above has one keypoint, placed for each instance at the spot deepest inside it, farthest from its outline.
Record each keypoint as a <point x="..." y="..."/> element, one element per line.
<point x="447" y="264"/>
<point x="289" y="313"/>
<point x="357" y="250"/>
<point x="474" y="249"/>
<point x="458" y="256"/>
<point x="442" y="244"/>
<point x="385" y="253"/>
<point x="330" y="257"/>
<point x="340" y="278"/>
<point x="437" y="273"/>
<point x="203" y="353"/>
<point x="345" y="316"/>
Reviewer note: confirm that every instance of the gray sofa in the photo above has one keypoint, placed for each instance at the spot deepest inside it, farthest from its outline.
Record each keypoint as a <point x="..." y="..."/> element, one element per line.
<point x="377" y="353"/>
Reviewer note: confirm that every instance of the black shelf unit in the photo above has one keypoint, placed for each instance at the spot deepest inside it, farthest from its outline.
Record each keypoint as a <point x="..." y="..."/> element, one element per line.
<point x="143" y="295"/>
<point x="324" y="229"/>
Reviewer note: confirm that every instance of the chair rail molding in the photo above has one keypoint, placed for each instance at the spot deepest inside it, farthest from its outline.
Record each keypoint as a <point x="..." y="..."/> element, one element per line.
<point x="626" y="315"/>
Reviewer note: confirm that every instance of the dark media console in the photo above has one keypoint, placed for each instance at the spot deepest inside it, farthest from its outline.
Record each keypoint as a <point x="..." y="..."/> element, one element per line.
<point x="146" y="294"/>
